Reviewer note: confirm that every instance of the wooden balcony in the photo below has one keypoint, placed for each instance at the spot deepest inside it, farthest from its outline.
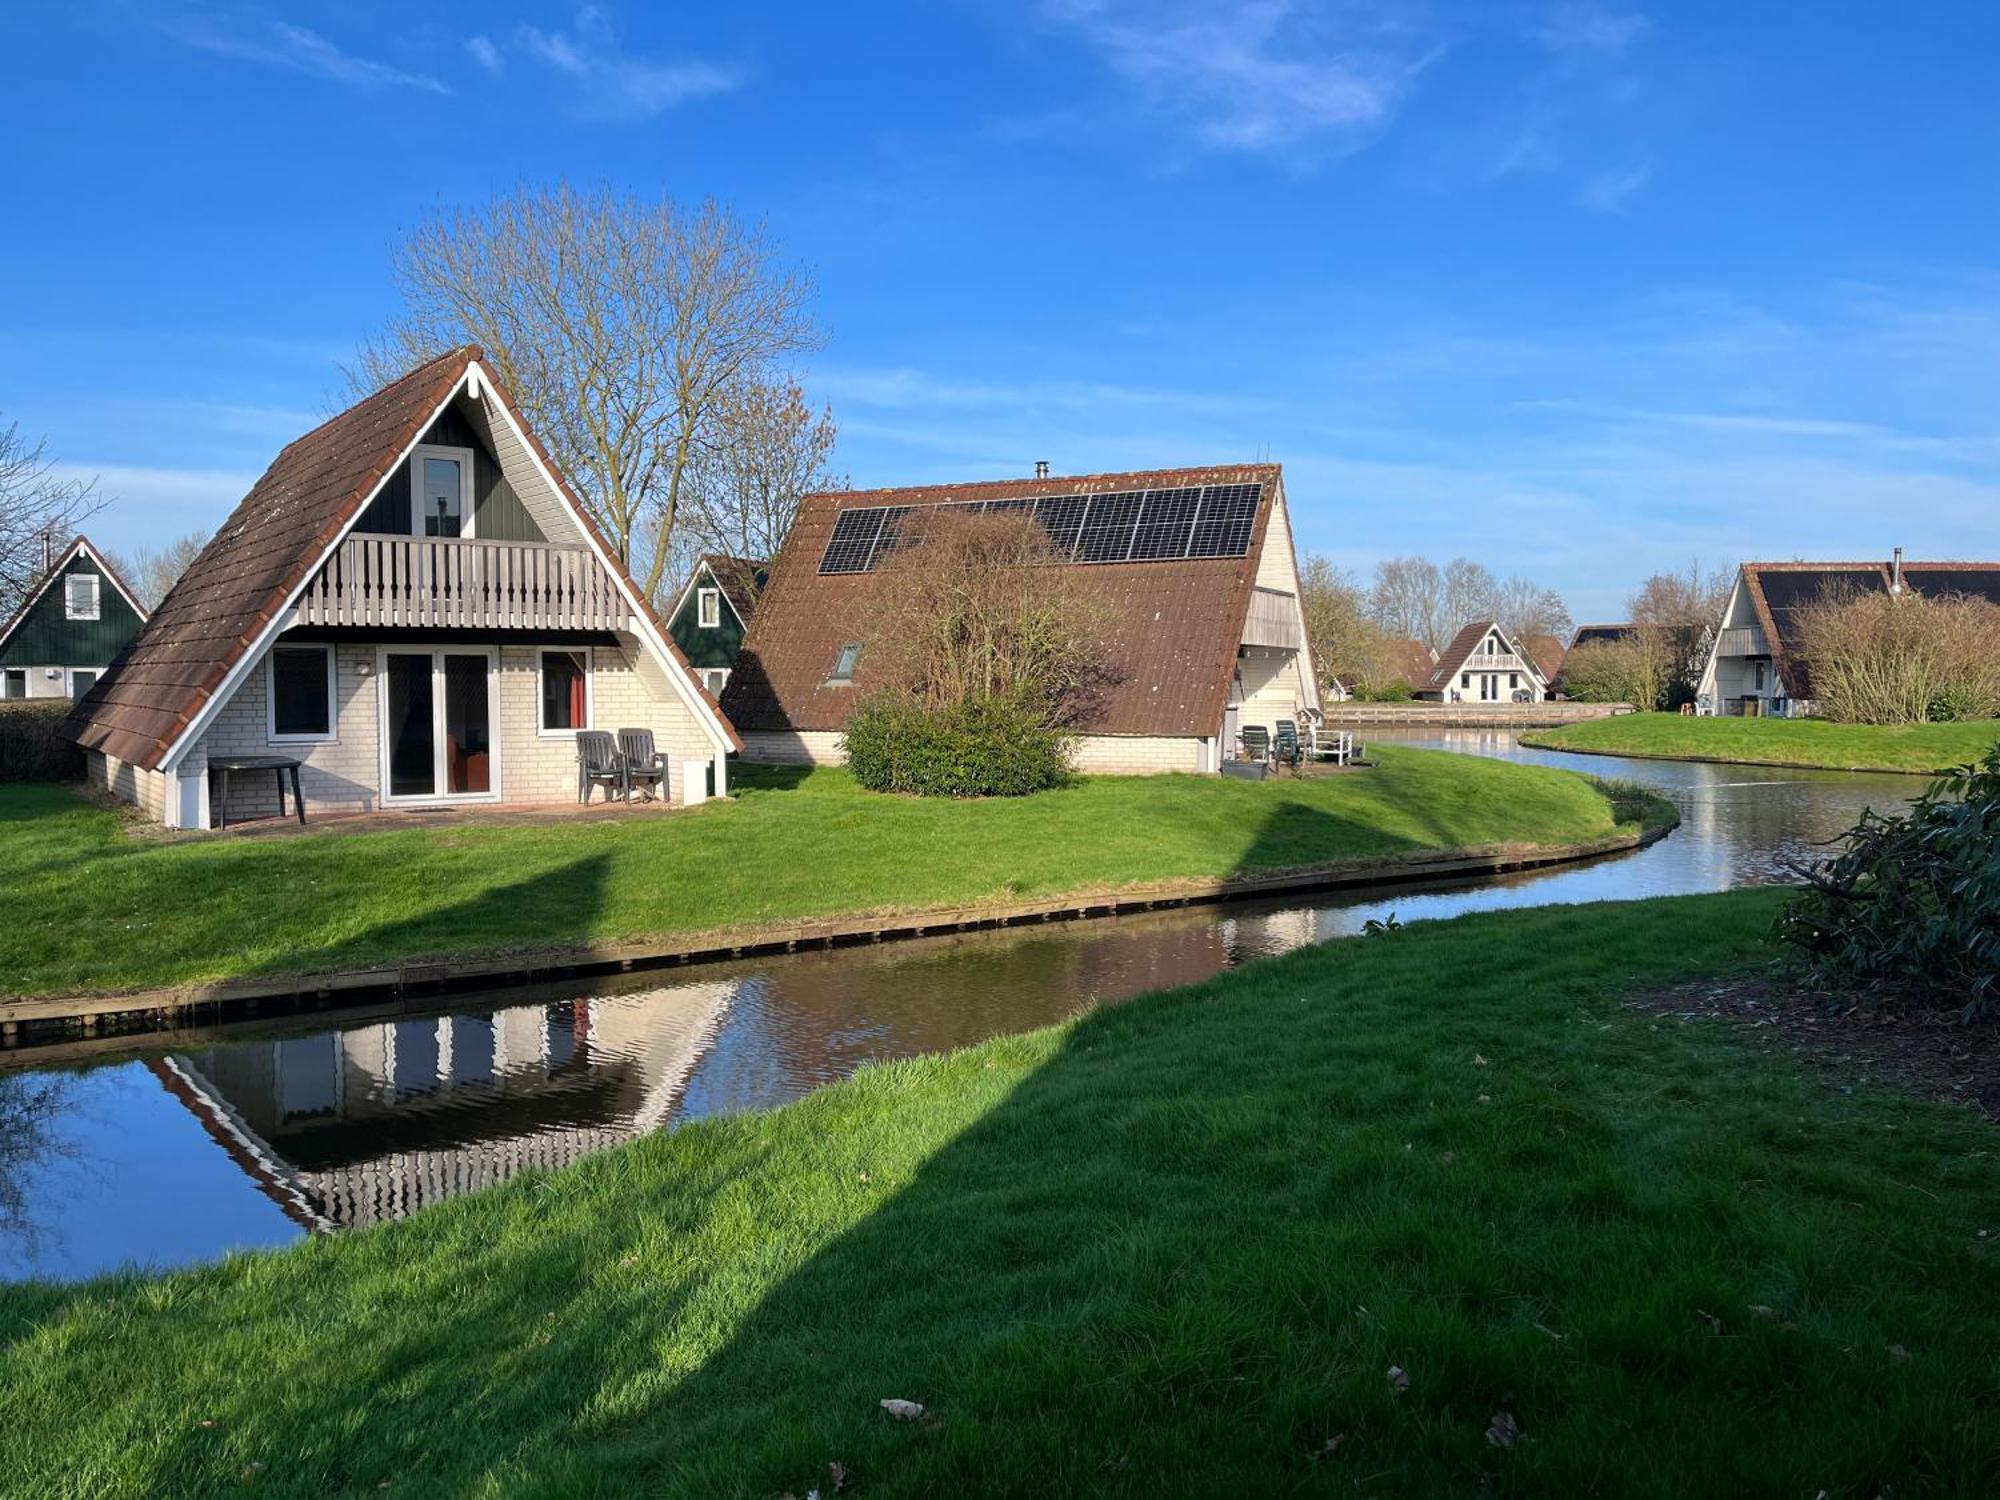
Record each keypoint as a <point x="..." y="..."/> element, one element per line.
<point x="459" y="584"/>
<point x="1746" y="640"/>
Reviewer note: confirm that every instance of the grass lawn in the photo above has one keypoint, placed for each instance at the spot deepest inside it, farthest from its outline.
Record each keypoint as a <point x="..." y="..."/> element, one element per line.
<point x="1172" y="1247"/>
<point x="85" y="906"/>
<point x="1925" y="748"/>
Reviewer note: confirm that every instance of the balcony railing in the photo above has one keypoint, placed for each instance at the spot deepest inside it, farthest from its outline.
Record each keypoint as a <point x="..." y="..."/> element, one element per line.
<point x="1743" y="640"/>
<point x="454" y="583"/>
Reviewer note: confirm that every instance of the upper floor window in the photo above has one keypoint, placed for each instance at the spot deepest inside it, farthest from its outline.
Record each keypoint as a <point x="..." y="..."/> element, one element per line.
<point x="440" y="491"/>
<point x="708" y="607"/>
<point x="80" y="596"/>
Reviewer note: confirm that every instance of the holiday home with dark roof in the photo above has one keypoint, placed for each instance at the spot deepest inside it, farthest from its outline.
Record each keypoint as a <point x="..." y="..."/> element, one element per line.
<point x="1193" y="569"/>
<point x="712" y="614"/>
<point x="413" y="604"/>
<point x="1754" y="666"/>
<point x="75" y="620"/>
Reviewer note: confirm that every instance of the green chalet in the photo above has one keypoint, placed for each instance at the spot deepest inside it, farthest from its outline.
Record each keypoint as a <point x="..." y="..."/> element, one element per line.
<point x="712" y="616"/>
<point x="72" y="625"/>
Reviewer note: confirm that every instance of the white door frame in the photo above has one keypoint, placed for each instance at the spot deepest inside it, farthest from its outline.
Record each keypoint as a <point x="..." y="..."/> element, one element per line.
<point x="384" y="736"/>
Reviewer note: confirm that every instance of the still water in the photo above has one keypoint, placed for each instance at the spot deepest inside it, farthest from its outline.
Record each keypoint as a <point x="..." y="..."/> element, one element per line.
<point x="255" y="1134"/>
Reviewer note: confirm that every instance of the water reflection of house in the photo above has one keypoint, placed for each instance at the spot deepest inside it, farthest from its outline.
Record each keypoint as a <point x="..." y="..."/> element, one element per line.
<point x="366" y="1124"/>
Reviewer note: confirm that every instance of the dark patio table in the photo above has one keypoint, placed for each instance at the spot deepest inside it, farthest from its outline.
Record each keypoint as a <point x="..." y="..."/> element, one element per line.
<point x="280" y="765"/>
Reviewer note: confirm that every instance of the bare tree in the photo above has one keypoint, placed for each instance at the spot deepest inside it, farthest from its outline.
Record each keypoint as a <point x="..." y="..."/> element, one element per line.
<point x="39" y="511"/>
<point x="1413" y="597"/>
<point x="771" y="450"/>
<point x="1674" y="616"/>
<point x="620" y="324"/>
<point x="1527" y="608"/>
<point x="152" y="571"/>
<point x="1407" y="600"/>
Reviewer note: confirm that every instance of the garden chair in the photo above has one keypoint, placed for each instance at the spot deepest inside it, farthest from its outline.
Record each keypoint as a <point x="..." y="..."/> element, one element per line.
<point x="1335" y="745"/>
<point x="598" y="763"/>
<point x="1286" y="747"/>
<point x="1257" y="743"/>
<point x="645" y="766"/>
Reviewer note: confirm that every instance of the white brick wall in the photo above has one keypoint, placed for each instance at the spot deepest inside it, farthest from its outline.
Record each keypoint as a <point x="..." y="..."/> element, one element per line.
<point x="145" y="789"/>
<point x="628" y="690"/>
<point x="1096" y="754"/>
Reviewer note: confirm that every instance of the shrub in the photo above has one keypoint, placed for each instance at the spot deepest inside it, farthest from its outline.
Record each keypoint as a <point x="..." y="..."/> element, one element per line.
<point x="1613" y="672"/>
<point x="981" y="747"/>
<point x="32" y="744"/>
<point x="1909" y="909"/>
<point x="1393" y="691"/>
<point x="1882" y="658"/>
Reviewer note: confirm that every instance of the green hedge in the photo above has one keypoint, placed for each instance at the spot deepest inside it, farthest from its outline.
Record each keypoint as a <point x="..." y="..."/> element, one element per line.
<point x="990" y="747"/>
<point x="32" y="744"/>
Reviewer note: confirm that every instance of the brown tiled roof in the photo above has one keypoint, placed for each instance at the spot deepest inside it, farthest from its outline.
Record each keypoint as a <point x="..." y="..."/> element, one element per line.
<point x="1546" y="652"/>
<point x="1457" y="649"/>
<point x="1173" y="634"/>
<point x="243" y="577"/>
<point x="741" y="579"/>
<point x="1411" y="660"/>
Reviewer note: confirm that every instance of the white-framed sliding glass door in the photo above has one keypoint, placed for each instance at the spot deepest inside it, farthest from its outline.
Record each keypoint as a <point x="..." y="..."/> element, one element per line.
<point x="440" y="710"/>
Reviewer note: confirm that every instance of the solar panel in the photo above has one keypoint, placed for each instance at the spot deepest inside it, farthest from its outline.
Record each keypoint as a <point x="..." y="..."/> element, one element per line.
<point x="1222" y="527"/>
<point x="1060" y="516"/>
<point x="1165" y="523"/>
<point x="1107" y="528"/>
<point x="852" y="545"/>
<point x="1213" y="520"/>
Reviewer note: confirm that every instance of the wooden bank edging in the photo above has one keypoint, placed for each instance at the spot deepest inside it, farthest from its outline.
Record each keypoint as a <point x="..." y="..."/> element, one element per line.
<point x="1534" y="742"/>
<point x="137" y="1011"/>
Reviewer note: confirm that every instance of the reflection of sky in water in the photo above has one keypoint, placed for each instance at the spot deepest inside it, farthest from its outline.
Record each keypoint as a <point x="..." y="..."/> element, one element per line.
<point x="162" y="1160"/>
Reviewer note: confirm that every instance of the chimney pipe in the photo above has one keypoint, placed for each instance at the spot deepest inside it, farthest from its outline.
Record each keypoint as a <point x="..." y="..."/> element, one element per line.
<point x="1041" y="468"/>
<point x="1896" y="572"/>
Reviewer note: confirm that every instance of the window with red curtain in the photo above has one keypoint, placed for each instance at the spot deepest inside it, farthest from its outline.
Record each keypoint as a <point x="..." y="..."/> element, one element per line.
<point x="565" y="689"/>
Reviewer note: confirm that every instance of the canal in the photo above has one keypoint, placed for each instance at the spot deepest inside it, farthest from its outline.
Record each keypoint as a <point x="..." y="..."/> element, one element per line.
<point x="178" y="1150"/>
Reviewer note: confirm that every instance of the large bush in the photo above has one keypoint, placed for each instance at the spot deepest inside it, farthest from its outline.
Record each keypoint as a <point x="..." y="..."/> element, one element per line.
<point x="1909" y="909"/>
<point x="981" y="747"/>
<point x="1613" y="672"/>
<point x="1882" y="658"/>
<point x="1394" y="690"/>
<point x="32" y="744"/>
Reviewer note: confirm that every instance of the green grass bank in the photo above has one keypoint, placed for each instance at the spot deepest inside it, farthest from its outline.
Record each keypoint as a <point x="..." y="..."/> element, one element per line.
<point x="1808" y="743"/>
<point x="1172" y="1247"/>
<point x="85" y="905"/>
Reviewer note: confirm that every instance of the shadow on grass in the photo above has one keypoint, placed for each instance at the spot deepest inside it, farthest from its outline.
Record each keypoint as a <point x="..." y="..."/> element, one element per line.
<point x="1171" y="1249"/>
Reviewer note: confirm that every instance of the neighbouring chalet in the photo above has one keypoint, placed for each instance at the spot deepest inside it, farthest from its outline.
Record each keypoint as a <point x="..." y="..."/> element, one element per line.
<point x="712" y="615"/>
<point x="1484" y="664"/>
<point x="75" y="620"/>
<point x="411" y="602"/>
<point x="1602" y="635"/>
<point x="1412" y="661"/>
<point x="1754" y="667"/>
<point x="1193" y="567"/>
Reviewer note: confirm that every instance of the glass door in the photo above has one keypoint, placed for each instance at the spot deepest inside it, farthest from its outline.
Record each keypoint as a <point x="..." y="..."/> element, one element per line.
<point x="437" y="724"/>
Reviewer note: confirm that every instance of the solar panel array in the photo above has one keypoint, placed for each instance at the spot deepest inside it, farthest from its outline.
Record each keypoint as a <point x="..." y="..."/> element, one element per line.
<point x="1196" y="520"/>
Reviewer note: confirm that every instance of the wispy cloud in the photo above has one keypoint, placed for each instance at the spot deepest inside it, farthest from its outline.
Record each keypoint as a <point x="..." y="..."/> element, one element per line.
<point x="1609" y="192"/>
<point x="485" y="53"/>
<point x="251" y="36"/>
<point x="1578" y="26"/>
<point x="1254" y="75"/>
<point x="591" y="55"/>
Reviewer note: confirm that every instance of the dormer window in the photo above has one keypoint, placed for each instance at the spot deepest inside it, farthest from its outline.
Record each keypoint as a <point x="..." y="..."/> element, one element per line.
<point x="440" y="491"/>
<point x="709" y="603"/>
<point x="80" y="592"/>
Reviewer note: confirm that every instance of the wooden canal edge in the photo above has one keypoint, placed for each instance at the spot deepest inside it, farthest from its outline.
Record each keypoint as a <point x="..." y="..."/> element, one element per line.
<point x="24" y="1023"/>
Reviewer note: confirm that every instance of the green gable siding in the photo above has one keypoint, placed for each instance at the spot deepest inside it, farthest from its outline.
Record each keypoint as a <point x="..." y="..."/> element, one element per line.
<point x="47" y="638"/>
<point x="497" y="512"/>
<point x="706" y="648"/>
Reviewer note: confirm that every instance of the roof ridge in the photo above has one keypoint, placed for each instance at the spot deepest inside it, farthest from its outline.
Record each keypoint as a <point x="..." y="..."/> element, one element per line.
<point x="1050" y="479"/>
<point x="471" y="351"/>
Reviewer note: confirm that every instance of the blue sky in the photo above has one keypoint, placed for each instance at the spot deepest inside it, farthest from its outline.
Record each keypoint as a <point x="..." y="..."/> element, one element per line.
<point x="1574" y="288"/>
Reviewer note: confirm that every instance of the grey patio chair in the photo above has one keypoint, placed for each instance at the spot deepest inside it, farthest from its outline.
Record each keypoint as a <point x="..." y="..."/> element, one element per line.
<point x="1256" y="743"/>
<point x="598" y="763"/>
<point x="645" y="766"/>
